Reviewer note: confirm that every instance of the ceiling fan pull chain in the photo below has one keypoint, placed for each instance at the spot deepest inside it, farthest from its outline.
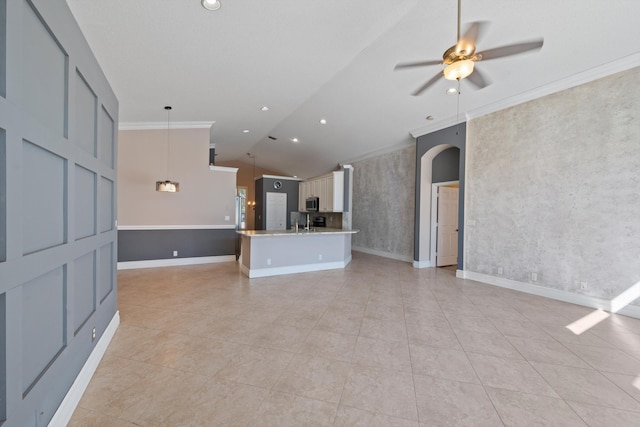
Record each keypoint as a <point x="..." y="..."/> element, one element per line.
<point x="458" y="109"/>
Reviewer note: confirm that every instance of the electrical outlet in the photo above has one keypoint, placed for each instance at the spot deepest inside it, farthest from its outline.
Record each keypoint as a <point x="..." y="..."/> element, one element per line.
<point x="93" y="334"/>
<point x="500" y="270"/>
<point x="268" y="261"/>
<point x="175" y="253"/>
<point x="227" y="217"/>
<point x="320" y="257"/>
<point x="583" y="286"/>
<point x="534" y="277"/>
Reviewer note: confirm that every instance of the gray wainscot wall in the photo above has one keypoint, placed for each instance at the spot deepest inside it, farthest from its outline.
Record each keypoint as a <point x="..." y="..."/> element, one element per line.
<point x="58" y="131"/>
<point x="159" y="244"/>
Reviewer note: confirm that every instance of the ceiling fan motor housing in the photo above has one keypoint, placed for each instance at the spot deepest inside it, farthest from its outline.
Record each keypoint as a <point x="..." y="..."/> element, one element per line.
<point x="459" y="52"/>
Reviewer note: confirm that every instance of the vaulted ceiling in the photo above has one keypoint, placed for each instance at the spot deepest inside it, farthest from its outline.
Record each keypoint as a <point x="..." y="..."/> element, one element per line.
<point x="334" y="60"/>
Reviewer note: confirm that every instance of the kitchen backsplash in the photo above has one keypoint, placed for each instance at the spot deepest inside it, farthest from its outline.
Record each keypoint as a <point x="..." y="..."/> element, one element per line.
<point x="333" y="219"/>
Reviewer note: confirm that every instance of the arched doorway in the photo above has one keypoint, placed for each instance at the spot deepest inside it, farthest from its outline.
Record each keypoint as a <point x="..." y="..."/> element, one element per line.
<point x="428" y="147"/>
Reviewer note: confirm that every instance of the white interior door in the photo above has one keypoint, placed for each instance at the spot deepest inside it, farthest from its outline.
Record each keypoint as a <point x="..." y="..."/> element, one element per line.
<point x="276" y="211"/>
<point x="447" y="227"/>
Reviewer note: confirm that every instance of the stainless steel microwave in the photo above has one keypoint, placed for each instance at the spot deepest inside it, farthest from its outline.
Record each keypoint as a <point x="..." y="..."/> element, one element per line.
<point x="312" y="204"/>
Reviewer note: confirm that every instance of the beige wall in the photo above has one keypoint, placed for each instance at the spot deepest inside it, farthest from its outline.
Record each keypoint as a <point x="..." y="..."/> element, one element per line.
<point x="206" y="197"/>
<point x="246" y="179"/>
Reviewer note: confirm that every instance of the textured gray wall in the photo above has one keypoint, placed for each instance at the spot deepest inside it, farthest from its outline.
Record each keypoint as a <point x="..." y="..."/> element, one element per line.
<point x="383" y="202"/>
<point x="553" y="185"/>
<point x="58" y="126"/>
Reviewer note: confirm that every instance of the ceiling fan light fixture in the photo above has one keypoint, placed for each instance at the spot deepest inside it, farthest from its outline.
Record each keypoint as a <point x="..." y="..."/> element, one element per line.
<point x="459" y="70"/>
<point x="211" y="4"/>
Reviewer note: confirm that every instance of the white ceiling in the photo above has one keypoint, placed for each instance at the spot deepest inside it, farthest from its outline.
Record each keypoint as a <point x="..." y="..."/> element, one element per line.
<point x="334" y="59"/>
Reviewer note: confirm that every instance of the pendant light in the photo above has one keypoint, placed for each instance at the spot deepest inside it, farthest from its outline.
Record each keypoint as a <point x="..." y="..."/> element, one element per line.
<point x="168" y="186"/>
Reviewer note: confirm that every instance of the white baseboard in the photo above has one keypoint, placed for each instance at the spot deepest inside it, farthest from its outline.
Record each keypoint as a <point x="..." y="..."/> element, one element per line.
<point x="382" y="253"/>
<point x="70" y="402"/>
<point x="305" y="268"/>
<point x="172" y="262"/>
<point x="557" y="294"/>
<point x="631" y="311"/>
<point x="422" y="264"/>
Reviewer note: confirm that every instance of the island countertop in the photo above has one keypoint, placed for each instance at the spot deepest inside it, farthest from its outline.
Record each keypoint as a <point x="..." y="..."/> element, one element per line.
<point x="275" y="252"/>
<point x="300" y="232"/>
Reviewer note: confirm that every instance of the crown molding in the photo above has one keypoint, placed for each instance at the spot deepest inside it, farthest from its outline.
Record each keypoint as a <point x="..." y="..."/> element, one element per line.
<point x="163" y="125"/>
<point x="289" y="178"/>
<point x="439" y="125"/>
<point x="222" y="169"/>
<point x="377" y="153"/>
<point x="583" y="77"/>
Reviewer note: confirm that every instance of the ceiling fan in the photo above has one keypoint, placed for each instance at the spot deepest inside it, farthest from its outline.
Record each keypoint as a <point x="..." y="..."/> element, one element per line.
<point x="461" y="57"/>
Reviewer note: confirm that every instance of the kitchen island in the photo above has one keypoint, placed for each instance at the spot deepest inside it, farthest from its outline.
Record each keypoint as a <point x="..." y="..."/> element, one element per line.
<point x="275" y="252"/>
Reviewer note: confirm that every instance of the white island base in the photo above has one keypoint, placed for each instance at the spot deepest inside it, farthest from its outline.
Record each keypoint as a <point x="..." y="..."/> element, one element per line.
<point x="272" y="253"/>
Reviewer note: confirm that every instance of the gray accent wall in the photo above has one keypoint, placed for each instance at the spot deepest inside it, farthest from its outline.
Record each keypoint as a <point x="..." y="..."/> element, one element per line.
<point x="455" y="136"/>
<point x="265" y="185"/>
<point x="3" y="196"/>
<point x="144" y="245"/>
<point x="553" y="188"/>
<point x="58" y="117"/>
<point x="446" y="166"/>
<point x="383" y="203"/>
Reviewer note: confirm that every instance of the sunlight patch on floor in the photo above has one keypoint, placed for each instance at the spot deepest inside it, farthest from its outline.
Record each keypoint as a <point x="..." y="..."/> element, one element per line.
<point x="587" y="322"/>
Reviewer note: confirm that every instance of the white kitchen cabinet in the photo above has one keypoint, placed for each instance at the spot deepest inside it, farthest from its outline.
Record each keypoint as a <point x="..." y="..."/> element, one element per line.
<point x="328" y="188"/>
<point x="303" y="193"/>
<point x="335" y="196"/>
<point x="315" y="188"/>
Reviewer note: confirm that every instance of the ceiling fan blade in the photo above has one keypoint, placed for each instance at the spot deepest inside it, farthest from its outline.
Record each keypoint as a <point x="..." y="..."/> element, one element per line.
<point x="427" y="84"/>
<point x="403" y="65"/>
<point x="478" y="79"/>
<point x="474" y="32"/>
<point x="512" y="49"/>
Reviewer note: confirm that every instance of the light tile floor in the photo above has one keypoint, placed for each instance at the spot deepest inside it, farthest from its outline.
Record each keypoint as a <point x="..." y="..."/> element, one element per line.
<point x="377" y="344"/>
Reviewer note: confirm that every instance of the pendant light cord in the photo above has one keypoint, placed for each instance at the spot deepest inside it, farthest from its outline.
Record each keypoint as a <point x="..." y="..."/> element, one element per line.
<point x="168" y="108"/>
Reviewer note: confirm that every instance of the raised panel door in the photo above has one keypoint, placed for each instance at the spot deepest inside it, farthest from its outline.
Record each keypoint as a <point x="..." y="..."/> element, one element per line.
<point x="337" y="188"/>
<point x="328" y="193"/>
<point x="302" y="196"/>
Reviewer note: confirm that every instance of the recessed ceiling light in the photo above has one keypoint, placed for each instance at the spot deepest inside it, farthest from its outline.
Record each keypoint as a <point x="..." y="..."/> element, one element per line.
<point x="429" y="117"/>
<point x="452" y="91"/>
<point x="323" y="121"/>
<point x="245" y="131"/>
<point x="295" y="140"/>
<point x="211" y="4"/>
<point x="265" y="108"/>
